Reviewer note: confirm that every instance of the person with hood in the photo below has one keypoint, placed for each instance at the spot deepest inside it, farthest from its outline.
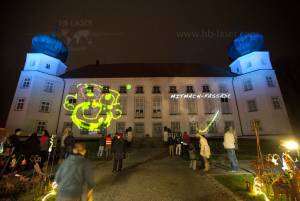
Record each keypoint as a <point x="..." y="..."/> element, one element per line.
<point x="69" y="144"/>
<point x="44" y="145"/>
<point x="71" y="176"/>
<point x="230" y="146"/>
<point x="204" y="151"/>
<point x="118" y="150"/>
<point x="178" y="141"/>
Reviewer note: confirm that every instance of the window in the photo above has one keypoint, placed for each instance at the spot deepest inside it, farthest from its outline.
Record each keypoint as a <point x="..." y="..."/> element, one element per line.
<point x="225" y="106"/>
<point x="49" y="87"/>
<point x="40" y="126"/>
<point x="192" y="106"/>
<point x="157" y="129"/>
<point x="173" y="90"/>
<point x="270" y="82"/>
<point x="263" y="61"/>
<point x="122" y="90"/>
<point x="123" y="105"/>
<point x="156" y="90"/>
<point x="67" y="125"/>
<point x="72" y="100"/>
<point x="190" y="89"/>
<point x="205" y="89"/>
<point x="209" y="106"/>
<point x="47" y="66"/>
<point x="249" y="65"/>
<point x="139" y="90"/>
<point x="44" y="106"/>
<point x="255" y="123"/>
<point x="20" y="104"/>
<point x="139" y="129"/>
<point x="156" y="107"/>
<point x="227" y="124"/>
<point x="252" y="105"/>
<point x="26" y="83"/>
<point x="193" y="127"/>
<point x="120" y="127"/>
<point x="212" y="128"/>
<point x="174" y="106"/>
<point x="105" y="89"/>
<point x="73" y="89"/>
<point x="32" y="63"/>
<point x="175" y="127"/>
<point x="223" y="88"/>
<point x="90" y="89"/>
<point x="139" y="107"/>
<point x="248" y="85"/>
<point x="276" y="103"/>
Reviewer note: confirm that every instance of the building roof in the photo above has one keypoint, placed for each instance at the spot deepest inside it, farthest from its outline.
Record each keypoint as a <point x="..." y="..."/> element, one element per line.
<point x="148" y="70"/>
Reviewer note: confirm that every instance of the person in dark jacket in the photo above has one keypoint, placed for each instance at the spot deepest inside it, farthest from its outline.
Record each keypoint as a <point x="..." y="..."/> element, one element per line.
<point x="101" y="146"/>
<point x="118" y="150"/>
<point x="178" y="141"/>
<point x="31" y="147"/>
<point x="44" y="145"/>
<point x="15" y="142"/>
<point x="69" y="144"/>
<point x="171" y="143"/>
<point x="71" y="176"/>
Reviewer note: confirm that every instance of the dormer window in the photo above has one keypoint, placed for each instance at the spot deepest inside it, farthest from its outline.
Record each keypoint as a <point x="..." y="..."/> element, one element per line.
<point x="48" y="66"/>
<point x="190" y="89"/>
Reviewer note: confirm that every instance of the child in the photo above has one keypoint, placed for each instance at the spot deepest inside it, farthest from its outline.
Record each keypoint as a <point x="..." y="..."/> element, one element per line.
<point x="192" y="154"/>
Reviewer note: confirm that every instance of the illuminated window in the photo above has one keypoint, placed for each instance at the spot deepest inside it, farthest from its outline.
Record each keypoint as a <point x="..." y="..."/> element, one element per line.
<point x="190" y="89"/>
<point x="270" y="82"/>
<point x="174" y="106"/>
<point x="20" y="104"/>
<point x="175" y="127"/>
<point x="49" y="87"/>
<point x="40" y="126"/>
<point x="205" y="89"/>
<point x="193" y="127"/>
<point x="44" y="106"/>
<point x="120" y="127"/>
<point x="225" y="106"/>
<point x="192" y="106"/>
<point x="212" y="128"/>
<point x="26" y="83"/>
<point x="276" y="103"/>
<point x="47" y="66"/>
<point x="173" y="90"/>
<point x="123" y="105"/>
<point x="123" y="90"/>
<point x="252" y="105"/>
<point x="248" y="85"/>
<point x="156" y="107"/>
<point x="156" y="90"/>
<point x="139" y="104"/>
<point x="139" y="90"/>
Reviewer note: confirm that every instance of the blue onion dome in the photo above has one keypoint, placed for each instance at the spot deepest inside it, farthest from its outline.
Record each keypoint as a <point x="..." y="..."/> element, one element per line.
<point x="245" y="44"/>
<point x="49" y="45"/>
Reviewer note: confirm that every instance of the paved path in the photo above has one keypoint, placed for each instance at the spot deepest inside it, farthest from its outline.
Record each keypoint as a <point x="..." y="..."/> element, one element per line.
<point x="150" y="175"/>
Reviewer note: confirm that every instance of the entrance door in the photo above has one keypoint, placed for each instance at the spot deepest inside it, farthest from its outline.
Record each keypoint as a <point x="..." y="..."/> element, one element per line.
<point x="139" y="130"/>
<point x="157" y="130"/>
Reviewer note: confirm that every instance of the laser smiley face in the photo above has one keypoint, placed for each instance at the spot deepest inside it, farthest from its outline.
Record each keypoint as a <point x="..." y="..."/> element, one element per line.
<point x="93" y="106"/>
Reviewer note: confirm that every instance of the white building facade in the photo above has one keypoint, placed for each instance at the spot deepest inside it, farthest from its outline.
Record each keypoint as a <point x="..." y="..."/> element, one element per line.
<point x="147" y="107"/>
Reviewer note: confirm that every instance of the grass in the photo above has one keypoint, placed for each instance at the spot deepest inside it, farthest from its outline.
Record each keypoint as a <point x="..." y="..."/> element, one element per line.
<point x="237" y="184"/>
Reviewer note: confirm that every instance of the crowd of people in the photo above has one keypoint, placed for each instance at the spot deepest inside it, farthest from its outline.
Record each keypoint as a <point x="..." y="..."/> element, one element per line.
<point x="197" y="148"/>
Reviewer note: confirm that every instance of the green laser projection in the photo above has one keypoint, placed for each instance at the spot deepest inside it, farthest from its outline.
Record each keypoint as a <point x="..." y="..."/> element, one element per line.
<point x="93" y="107"/>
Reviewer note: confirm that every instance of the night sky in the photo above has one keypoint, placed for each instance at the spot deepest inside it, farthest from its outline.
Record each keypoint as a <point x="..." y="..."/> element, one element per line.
<point x="146" y="31"/>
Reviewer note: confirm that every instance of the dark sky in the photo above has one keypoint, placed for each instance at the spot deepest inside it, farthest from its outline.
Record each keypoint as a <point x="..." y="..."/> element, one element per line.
<point x="142" y="31"/>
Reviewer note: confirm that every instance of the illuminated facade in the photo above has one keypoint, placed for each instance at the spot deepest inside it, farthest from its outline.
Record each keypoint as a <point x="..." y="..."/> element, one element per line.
<point x="47" y="96"/>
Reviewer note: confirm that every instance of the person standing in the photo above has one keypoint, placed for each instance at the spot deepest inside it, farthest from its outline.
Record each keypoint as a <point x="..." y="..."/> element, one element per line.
<point x="129" y="136"/>
<point x="32" y="147"/>
<point x="62" y="143"/>
<point x="204" y="151"/>
<point x="229" y="145"/>
<point x="192" y="156"/>
<point x="108" y="144"/>
<point x="15" y="142"/>
<point x="171" y="143"/>
<point x="186" y="140"/>
<point x="165" y="136"/>
<point x="69" y="144"/>
<point x="44" y="145"/>
<point x="71" y="176"/>
<point x="118" y="150"/>
<point x="178" y="141"/>
<point x="101" y="146"/>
